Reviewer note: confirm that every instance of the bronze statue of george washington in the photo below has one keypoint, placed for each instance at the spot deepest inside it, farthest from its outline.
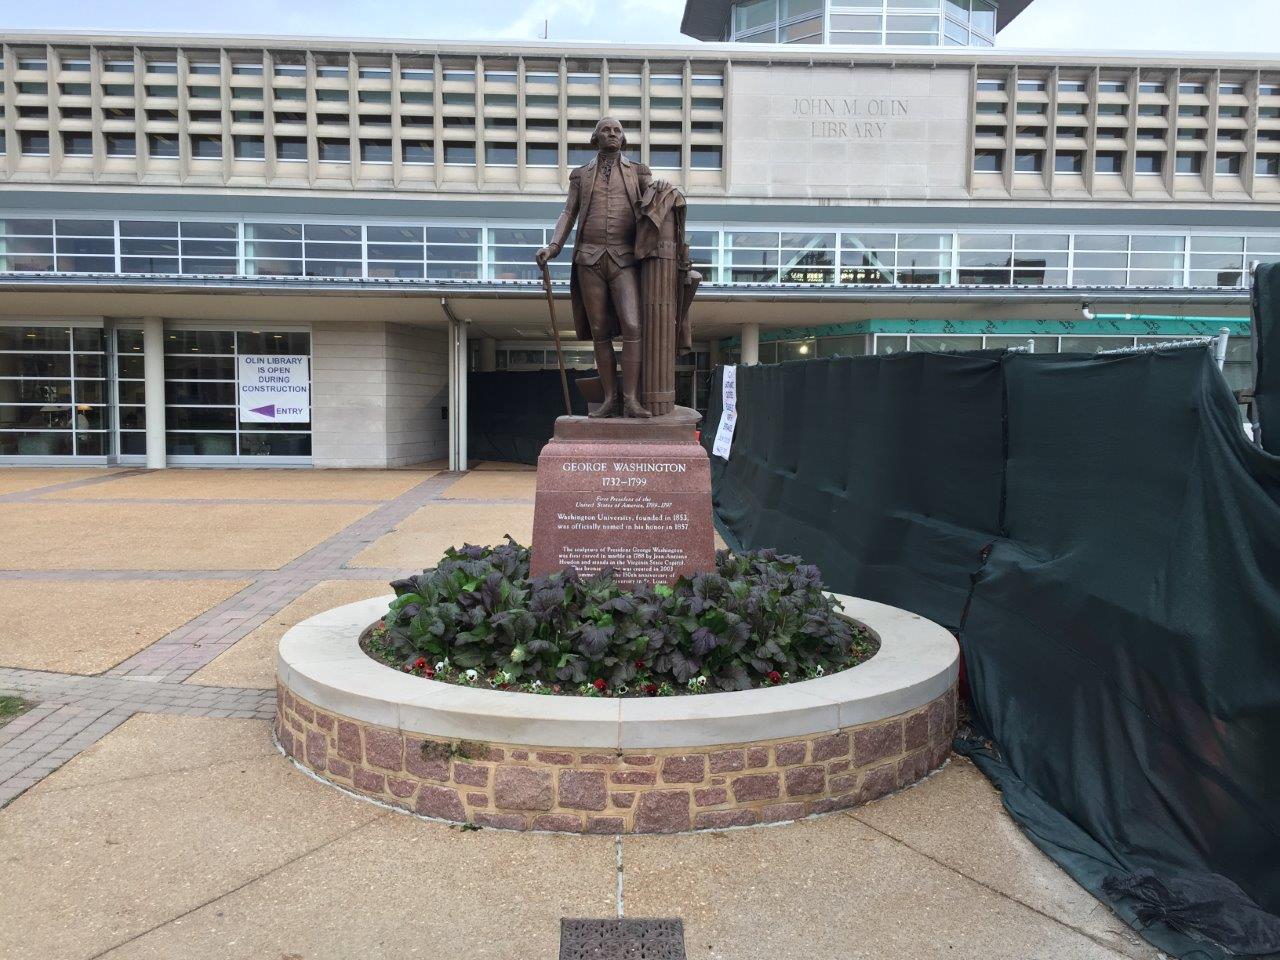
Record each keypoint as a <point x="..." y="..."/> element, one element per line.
<point x="625" y="219"/>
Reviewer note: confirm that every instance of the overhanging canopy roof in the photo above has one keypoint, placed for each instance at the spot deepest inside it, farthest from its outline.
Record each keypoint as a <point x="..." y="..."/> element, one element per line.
<point x="708" y="19"/>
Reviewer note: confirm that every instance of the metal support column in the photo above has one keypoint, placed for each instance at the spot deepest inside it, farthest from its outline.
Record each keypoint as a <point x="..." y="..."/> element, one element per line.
<point x="457" y="339"/>
<point x="153" y="372"/>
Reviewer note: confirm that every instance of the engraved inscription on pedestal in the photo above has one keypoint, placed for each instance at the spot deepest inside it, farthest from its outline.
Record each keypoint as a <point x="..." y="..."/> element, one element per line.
<point x="643" y="509"/>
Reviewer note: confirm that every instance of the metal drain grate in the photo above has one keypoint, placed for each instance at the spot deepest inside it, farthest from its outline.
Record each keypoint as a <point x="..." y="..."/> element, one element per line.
<point x="625" y="939"/>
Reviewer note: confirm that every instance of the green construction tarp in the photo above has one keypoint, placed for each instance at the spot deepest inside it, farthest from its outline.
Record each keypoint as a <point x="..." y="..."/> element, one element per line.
<point x="1105" y="541"/>
<point x="1266" y="353"/>
<point x="511" y="414"/>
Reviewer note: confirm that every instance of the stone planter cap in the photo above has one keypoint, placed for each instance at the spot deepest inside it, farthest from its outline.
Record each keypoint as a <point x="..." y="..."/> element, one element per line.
<point x="320" y="660"/>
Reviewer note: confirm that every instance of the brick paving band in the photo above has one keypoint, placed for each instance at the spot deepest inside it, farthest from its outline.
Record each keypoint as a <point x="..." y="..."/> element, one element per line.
<point x="73" y="712"/>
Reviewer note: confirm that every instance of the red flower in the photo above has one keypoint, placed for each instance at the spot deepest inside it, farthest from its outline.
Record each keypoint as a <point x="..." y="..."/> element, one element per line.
<point x="600" y="684"/>
<point x="651" y="689"/>
<point x="775" y="676"/>
<point x="555" y="688"/>
<point x="420" y="663"/>
<point x="639" y="664"/>
<point x="429" y="672"/>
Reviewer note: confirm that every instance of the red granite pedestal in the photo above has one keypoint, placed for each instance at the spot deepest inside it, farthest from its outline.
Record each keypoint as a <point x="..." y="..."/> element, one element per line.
<point x="630" y="494"/>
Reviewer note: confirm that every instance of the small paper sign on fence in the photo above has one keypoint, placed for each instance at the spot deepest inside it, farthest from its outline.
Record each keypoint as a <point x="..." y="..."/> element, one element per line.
<point x="729" y="412"/>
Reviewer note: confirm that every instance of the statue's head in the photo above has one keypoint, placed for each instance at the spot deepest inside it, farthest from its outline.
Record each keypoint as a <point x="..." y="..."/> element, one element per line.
<point x="608" y="135"/>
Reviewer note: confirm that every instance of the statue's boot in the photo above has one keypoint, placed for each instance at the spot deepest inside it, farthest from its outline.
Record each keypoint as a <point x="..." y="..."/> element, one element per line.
<point x="608" y="381"/>
<point x="631" y="405"/>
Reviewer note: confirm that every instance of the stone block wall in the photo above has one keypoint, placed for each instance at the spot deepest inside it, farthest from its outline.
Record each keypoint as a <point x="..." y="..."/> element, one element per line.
<point x="612" y="791"/>
<point x="377" y="391"/>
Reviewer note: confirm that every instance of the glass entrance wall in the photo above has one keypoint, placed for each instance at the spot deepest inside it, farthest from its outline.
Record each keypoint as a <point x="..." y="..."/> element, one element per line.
<point x="964" y="23"/>
<point x="202" y="419"/>
<point x="53" y="391"/>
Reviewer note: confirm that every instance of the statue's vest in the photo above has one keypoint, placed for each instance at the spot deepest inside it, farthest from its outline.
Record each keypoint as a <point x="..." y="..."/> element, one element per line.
<point x="609" y="224"/>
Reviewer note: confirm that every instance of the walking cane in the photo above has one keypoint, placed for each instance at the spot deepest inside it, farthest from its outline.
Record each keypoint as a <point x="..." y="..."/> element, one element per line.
<point x="551" y="309"/>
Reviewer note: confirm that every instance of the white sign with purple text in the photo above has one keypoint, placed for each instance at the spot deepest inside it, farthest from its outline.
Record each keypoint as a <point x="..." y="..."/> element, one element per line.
<point x="729" y="412"/>
<point x="275" y="389"/>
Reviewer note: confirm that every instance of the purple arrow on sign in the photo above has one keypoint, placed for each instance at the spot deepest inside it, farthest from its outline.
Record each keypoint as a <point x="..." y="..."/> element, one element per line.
<point x="268" y="411"/>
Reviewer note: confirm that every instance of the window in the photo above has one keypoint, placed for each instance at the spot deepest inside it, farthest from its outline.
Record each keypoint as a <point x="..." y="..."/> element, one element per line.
<point x="1031" y="86"/>
<point x="120" y="145"/>
<point x="206" y="146"/>
<point x="117" y="66"/>
<point x="1149" y="163"/>
<point x="53" y="384"/>
<point x="459" y="152"/>
<point x="162" y="145"/>
<point x="1268" y="165"/>
<point x="1069" y="161"/>
<point x="705" y="157"/>
<point x="375" y="151"/>
<point x="208" y="69"/>
<point x="1109" y="161"/>
<point x="290" y="70"/>
<point x="988" y="161"/>
<point x="77" y="144"/>
<point x="1191" y="88"/>
<point x="1150" y="86"/>
<point x="35" y="143"/>
<point x="1189" y="163"/>
<point x="500" y="154"/>
<point x="335" y="151"/>
<point x="1071" y="86"/>
<point x="1231" y="89"/>
<point x="417" y="151"/>
<point x="990" y="84"/>
<point x="291" y="149"/>
<point x="249" y="148"/>
<point x="1028" y="161"/>
<point x="1227" y="164"/>
<point x="664" y="157"/>
<point x="1112" y="86"/>
<point x="247" y="69"/>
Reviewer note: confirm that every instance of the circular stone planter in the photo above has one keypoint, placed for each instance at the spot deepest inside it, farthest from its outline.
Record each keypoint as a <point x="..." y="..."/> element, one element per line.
<point x="630" y="765"/>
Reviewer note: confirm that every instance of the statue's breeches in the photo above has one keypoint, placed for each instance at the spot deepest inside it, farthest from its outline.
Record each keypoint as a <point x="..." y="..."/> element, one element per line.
<point x="603" y="282"/>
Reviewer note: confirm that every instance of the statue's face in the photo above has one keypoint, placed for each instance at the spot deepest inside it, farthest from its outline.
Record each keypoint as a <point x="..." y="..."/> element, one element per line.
<point x="609" y="134"/>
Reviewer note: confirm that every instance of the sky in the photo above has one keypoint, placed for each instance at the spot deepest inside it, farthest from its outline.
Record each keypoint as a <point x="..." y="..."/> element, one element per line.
<point x="1227" y="26"/>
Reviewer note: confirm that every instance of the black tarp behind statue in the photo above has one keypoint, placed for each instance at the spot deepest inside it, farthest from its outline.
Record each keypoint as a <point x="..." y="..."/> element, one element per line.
<point x="1266" y="357"/>
<point x="1106" y="542"/>
<point x="511" y="414"/>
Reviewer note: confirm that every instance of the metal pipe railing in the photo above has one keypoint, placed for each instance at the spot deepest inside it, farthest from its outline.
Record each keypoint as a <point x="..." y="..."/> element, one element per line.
<point x="1218" y="343"/>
